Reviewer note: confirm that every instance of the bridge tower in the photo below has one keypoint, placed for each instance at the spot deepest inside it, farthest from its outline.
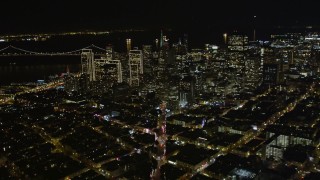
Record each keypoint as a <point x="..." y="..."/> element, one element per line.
<point x="135" y="66"/>
<point x="87" y="64"/>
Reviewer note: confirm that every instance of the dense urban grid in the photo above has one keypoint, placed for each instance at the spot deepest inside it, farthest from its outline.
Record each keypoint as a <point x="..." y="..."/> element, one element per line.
<point x="240" y="110"/>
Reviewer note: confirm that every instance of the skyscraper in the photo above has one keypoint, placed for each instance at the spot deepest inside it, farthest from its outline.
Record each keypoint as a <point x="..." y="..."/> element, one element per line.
<point x="99" y="68"/>
<point x="254" y="28"/>
<point x="253" y="68"/>
<point x="109" y="52"/>
<point x="186" y="41"/>
<point x="135" y="67"/>
<point x="87" y="64"/>
<point x="161" y="39"/>
<point x="71" y="83"/>
<point x="128" y="41"/>
<point x="225" y="37"/>
<point x="113" y="70"/>
<point x="237" y="46"/>
<point x="187" y="90"/>
<point x="147" y="56"/>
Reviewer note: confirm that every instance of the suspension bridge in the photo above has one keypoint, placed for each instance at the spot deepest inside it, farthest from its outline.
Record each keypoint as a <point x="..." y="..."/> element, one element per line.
<point x="16" y="51"/>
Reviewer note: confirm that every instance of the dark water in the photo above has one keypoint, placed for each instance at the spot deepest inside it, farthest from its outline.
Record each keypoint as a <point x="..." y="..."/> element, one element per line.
<point x="27" y="69"/>
<point x="32" y="68"/>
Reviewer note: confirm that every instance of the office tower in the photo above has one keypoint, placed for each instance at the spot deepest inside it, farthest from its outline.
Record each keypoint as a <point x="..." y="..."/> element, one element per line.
<point x="113" y="71"/>
<point x="272" y="74"/>
<point x="180" y="49"/>
<point x="83" y="83"/>
<point x="225" y="37"/>
<point x="171" y="58"/>
<point x="67" y="70"/>
<point x="196" y="54"/>
<point x="237" y="46"/>
<point x="157" y="44"/>
<point x="147" y="57"/>
<point x="135" y="67"/>
<point x="99" y="67"/>
<point x="254" y="28"/>
<point x="161" y="39"/>
<point x="186" y="42"/>
<point x="253" y="68"/>
<point x="147" y="51"/>
<point x="87" y="64"/>
<point x="187" y="90"/>
<point x="109" y="70"/>
<point x="163" y="51"/>
<point x="253" y="71"/>
<point x="273" y="66"/>
<point x="109" y="52"/>
<point x="129" y="45"/>
<point x="71" y="83"/>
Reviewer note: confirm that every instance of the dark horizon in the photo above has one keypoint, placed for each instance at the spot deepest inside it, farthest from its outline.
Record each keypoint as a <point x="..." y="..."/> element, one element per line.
<point x="182" y="16"/>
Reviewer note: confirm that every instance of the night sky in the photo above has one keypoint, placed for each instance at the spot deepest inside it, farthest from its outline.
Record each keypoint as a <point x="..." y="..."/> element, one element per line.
<point x="19" y="16"/>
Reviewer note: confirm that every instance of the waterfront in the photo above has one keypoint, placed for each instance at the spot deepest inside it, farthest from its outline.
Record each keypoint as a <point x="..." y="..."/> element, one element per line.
<point x="20" y="69"/>
<point x="25" y="69"/>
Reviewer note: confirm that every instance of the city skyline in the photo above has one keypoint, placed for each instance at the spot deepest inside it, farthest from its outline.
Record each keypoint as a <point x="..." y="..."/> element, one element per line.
<point x="160" y="90"/>
<point x="245" y="109"/>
